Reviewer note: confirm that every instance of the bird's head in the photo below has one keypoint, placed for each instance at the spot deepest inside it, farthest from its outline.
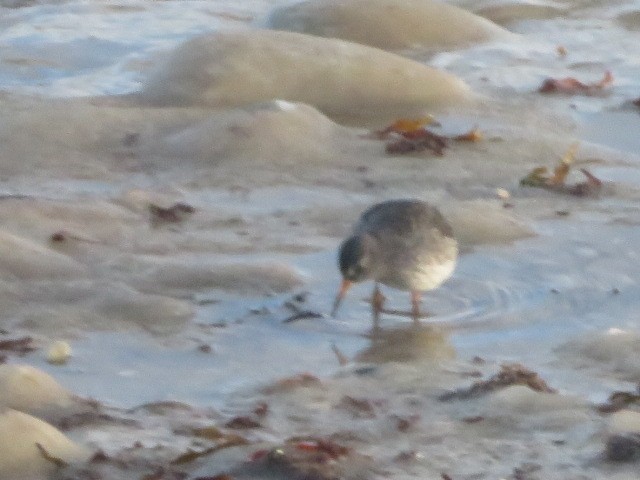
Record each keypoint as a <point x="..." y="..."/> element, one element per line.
<point x="355" y="264"/>
<point x="355" y="258"/>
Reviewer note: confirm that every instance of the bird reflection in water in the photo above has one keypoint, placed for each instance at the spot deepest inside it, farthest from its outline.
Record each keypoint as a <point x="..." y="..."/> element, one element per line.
<point x="408" y="343"/>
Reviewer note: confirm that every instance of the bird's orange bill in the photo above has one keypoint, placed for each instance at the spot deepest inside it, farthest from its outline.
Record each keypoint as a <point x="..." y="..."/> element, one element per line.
<point x="344" y="287"/>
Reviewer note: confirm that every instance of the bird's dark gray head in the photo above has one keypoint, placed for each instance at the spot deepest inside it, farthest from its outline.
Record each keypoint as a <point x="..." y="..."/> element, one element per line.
<point x="355" y="258"/>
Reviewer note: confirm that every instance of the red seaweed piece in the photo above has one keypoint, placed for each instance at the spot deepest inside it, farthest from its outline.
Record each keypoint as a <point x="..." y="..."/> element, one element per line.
<point x="570" y="85"/>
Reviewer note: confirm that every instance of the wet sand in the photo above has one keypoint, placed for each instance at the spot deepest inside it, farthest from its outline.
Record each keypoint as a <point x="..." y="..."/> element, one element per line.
<point x="169" y="244"/>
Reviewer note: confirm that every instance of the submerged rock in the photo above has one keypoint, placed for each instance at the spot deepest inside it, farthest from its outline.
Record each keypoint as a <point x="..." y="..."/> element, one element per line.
<point x="227" y="69"/>
<point x="274" y="133"/>
<point x="623" y="447"/>
<point x="388" y="24"/>
<point x="623" y="441"/>
<point x="478" y="222"/>
<point x="302" y="458"/>
<point x="630" y="20"/>
<point x="24" y="259"/>
<point x="158" y="314"/>
<point x="509" y="11"/>
<point x="242" y="277"/>
<point x="33" y="449"/>
<point x="519" y="406"/>
<point x="28" y="389"/>
<point x="613" y="351"/>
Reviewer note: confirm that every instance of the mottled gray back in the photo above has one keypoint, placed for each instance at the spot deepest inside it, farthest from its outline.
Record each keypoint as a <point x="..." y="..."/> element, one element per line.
<point x="402" y="217"/>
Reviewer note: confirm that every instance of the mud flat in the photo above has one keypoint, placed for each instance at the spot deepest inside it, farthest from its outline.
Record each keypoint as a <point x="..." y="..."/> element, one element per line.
<point x="171" y="233"/>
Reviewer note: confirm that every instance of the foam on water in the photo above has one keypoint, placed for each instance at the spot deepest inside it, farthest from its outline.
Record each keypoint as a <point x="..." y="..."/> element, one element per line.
<point x="91" y="48"/>
<point x="79" y="48"/>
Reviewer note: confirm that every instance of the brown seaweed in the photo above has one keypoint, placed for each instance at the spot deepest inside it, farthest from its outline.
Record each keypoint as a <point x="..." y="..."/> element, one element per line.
<point x="618" y="401"/>
<point x="411" y="135"/>
<point x="20" y="346"/>
<point x="540" y="177"/>
<point x="571" y="86"/>
<point x="509" y="374"/>
<point x="173" y="214"/>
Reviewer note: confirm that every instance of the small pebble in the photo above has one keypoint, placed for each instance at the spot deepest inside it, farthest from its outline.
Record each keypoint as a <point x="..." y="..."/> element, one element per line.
<point x="59" y="353"/>
<point x="503" y="194"/>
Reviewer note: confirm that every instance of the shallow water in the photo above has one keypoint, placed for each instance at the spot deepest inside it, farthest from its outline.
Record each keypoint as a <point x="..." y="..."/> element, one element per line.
<point x="193" y="311"/>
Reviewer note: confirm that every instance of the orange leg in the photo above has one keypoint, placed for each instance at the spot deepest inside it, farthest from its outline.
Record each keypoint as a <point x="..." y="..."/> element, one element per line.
<point x="377" y="302"/>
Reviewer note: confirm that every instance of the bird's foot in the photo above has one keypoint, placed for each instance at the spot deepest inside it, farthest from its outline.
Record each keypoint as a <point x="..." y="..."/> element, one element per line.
<point x="415" y="306"/>
<point x="377" y="302"/>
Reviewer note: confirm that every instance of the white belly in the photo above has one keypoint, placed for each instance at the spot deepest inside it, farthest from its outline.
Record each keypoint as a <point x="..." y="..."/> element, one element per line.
<point x="422" y="277"/>
<point x="432" y="275"/>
